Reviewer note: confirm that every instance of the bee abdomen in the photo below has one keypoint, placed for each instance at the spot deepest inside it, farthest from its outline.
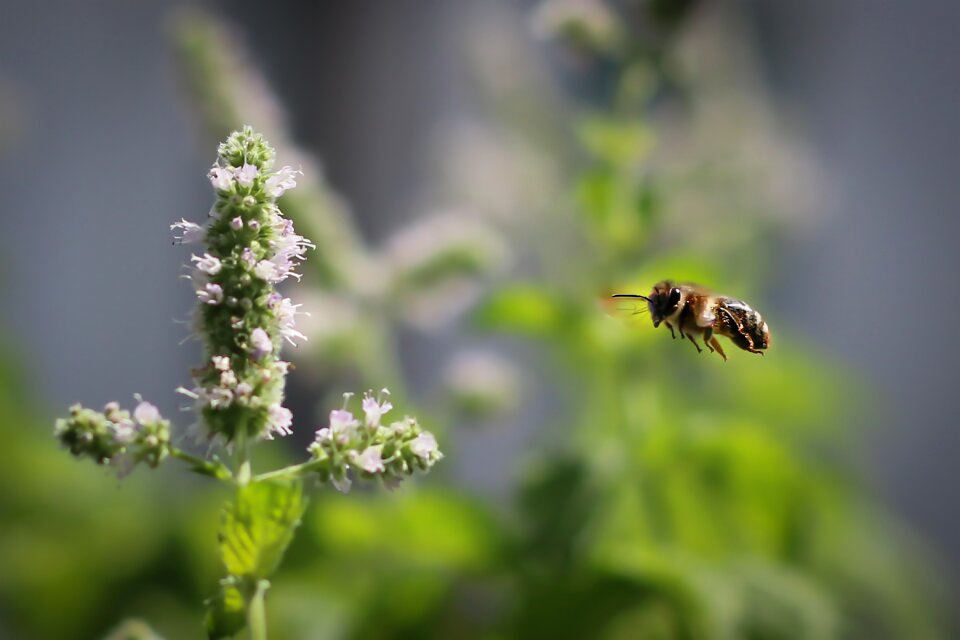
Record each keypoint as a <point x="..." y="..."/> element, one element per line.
<point x="743" y="325"/>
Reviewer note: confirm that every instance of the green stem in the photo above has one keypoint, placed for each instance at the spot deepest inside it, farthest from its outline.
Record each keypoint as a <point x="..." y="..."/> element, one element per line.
<point x="257" y="612"/>
<point x="292" y="471"/>
<point x="213" y="468"/>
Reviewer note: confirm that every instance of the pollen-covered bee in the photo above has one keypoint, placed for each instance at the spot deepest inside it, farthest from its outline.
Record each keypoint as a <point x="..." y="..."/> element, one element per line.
<point x="695" y="311"/>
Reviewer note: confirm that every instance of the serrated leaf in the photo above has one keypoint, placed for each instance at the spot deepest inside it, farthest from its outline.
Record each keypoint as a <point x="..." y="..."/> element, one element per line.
<point x="258" y="525"/>
<point x="226" y="613"/>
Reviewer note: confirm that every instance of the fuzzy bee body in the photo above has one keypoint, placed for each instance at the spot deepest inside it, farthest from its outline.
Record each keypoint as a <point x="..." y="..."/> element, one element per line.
<point x="695" y="311"/>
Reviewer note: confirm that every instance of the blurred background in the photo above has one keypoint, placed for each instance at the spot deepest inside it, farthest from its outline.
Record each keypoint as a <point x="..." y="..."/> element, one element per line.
<point x="476" y="174"/>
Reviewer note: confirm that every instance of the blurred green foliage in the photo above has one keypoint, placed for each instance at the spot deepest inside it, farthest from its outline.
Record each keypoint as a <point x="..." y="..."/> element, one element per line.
<point x="668" y="495"/>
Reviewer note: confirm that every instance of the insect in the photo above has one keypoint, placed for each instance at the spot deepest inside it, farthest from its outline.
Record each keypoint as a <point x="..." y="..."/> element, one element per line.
<point x="695" y="311"/>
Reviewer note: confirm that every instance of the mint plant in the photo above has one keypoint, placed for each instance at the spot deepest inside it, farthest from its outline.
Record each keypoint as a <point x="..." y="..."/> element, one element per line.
<point x="238" y="389"/>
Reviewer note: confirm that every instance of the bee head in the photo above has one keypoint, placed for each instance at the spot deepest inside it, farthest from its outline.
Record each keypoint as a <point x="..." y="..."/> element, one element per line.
<point x="663" y="301"/>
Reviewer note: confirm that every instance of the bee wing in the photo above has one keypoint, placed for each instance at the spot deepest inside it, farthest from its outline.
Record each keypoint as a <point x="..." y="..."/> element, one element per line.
<point x="627" y="310"/>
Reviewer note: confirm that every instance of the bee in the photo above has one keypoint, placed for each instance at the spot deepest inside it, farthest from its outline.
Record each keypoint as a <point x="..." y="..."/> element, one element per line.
<point x="695" y="311"/>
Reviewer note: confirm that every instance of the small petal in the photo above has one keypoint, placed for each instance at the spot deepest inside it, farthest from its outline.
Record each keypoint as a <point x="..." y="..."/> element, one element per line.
<point x="342" y="422"/>
<point x="425" y="447"/>
<point x="211" y="294"/>
<point x="237" y="223"/>
<point x="374" y="409"/>
<point x="281" y="181"/>
<point x="208" y="264"/>
<point x="221" y="178"/>
<point x="370" y="460"/>
<point x="260" y="343"/>
<point x="146" y="413"/>
<point x="246" y="175"/>
<point x="190" y="232"/>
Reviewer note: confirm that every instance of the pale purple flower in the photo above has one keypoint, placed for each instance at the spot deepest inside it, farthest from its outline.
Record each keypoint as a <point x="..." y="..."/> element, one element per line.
<point x="370" y="460"/>
<point x="247" y="256"/>
<point x="190" y="232"/>
<point x="221" y="178"/>
<point x="243" y="389"/>
<point x="254" y="225"/>
<point x="246" y="174"/>
<point x="281" y="181"/>
<point x="425" y="447"/>
<point x="267" y="270"/>
<point x="125" y="431"/>
<point x="342" y="423"/>
<point x="374" y="408"/>
<point x="146" y="413"/>
<point x="279" y="419"/>
<point x="237" y="223"/>
<point x="260" y="343"/>
<point x="210" y="294"/>
<point x="208" y="264"/>
<point x="221" y="363"/>
<point x="286" y="316"/>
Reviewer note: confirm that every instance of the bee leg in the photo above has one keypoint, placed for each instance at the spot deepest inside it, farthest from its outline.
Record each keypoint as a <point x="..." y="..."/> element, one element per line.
<point x="718" y="348"/>
<point x="670" y="326"/>
<point x="693" y="340"/>
<point x="707" y="335"/>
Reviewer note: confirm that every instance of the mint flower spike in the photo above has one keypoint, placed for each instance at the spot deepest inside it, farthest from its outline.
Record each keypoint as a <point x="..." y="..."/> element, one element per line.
<point x="114" y="437"/>
<point x="369" y="449"/>
<point x="241" y="319"/>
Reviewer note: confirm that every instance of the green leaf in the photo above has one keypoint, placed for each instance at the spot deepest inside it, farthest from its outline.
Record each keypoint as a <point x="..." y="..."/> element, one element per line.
<point x="258" y="525"/>
<point x="227" y="612"/>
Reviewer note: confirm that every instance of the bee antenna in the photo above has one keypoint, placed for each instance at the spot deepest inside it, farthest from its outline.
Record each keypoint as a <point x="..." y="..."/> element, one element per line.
<point x="630" y="295"/>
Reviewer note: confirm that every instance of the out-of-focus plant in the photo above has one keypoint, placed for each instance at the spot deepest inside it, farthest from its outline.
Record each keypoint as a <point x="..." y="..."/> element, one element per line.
<point x="238" y="391"/>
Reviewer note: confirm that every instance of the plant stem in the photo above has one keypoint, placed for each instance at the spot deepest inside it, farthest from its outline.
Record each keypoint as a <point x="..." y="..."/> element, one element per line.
<point x="213" y="468"/>
<point x="257" y="612"/>
<point x="291" y="471"/>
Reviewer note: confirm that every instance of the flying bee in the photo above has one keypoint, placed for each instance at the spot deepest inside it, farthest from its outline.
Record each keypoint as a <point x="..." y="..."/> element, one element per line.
<point x="696" y="311"/>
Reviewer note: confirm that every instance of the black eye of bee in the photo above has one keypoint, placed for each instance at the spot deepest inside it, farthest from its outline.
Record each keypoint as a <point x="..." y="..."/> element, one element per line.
<point x="674" y="298"/>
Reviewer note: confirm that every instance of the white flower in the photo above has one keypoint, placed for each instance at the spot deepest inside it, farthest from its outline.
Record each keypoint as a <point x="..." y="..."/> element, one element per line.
<point x="221" y="178"/>
<point x="246" y="174"/>
<point x="254" y="225"/>
<point x="243" y="389"/>
<point x="237" y="223"/>
<point x="281" y="181"/>
<point x="221" y="363"/>
<point x="146" y="413"/>
<point x="370" y="460"/>
<point x="247" y="256"/>
<point x="375" y="408"/>
<point x="190" y="231"/>
<point x="279" y="419"/>
<point x="261" y="343"/>
<point x="210" y="294"/>
<point x="425" y="447"/>
<point x="207" y="263"/>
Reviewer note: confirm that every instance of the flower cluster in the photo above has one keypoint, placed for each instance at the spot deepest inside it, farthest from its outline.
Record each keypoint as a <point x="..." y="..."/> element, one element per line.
<point x="114" y="437"/>
<point x="368" y="447"/>
<point x="242" y="320"/>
